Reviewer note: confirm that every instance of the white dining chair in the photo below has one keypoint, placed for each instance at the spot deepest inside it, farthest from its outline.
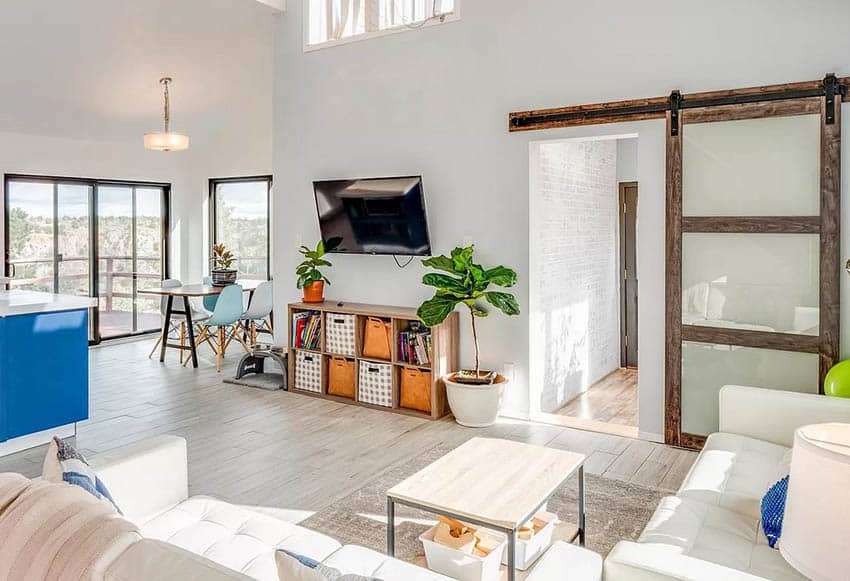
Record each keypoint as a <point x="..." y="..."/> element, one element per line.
<point x="257" y="316"/>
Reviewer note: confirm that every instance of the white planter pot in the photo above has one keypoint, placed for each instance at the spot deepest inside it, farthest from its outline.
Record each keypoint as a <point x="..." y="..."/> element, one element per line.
<point x="475" y="406"/>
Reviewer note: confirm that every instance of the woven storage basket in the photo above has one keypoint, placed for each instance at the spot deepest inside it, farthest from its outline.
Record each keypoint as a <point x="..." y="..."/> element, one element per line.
<point x="308" y="371"/>
<point x="376" y="384"/>
<point x="339" y="334"/>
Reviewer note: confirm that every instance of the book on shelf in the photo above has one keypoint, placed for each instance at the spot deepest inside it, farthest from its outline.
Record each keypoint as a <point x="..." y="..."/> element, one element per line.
<point x="414" y="345"/>
<point x="306" y="330"/>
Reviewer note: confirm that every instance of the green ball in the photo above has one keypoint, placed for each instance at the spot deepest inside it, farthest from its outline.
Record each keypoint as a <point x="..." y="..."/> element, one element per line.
<point x="837" y="382"/>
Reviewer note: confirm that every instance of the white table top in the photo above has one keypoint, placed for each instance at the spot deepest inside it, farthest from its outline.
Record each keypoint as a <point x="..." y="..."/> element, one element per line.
<point x="21" y="302"/>
<point x="498" y="482"/>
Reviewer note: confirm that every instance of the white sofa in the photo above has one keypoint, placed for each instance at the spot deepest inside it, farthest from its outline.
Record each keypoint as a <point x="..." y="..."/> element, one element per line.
<point x="711" y="529"/>
<point x="202" y="538"/>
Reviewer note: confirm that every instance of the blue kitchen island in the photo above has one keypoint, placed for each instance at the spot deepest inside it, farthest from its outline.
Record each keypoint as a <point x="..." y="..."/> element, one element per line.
<point x="44" y="367"/>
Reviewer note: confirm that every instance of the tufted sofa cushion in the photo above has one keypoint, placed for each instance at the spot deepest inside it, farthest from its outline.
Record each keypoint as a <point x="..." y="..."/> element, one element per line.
<point x="368" y="563"/>
<point x="733" y="472"/>
<point x="717" y="535"/>
<point x="235" y="537"/>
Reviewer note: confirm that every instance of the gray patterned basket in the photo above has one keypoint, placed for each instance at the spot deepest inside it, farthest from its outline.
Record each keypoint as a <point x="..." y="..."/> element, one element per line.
<point x="308" y="371"/>
<point x="376" y="384"/>
<point x="339" y="334"/>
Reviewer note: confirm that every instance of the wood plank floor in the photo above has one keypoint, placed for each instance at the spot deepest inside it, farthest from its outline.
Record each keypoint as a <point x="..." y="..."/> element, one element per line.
<point x="612" y="400"/>
<point x="285" y="450"/>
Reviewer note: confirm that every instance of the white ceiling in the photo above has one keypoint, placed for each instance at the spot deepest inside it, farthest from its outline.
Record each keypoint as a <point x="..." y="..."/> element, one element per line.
<point x="89" y="69"/>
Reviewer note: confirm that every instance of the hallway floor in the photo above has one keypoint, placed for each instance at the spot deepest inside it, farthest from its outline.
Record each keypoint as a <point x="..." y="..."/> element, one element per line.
<point x="612" y="400"/>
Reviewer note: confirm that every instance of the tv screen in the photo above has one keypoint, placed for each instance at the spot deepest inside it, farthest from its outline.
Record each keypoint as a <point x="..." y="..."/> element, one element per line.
<point x="374" y="216"/>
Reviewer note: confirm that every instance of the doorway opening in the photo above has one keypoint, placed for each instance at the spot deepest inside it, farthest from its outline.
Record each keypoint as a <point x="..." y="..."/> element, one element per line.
<point x="584" y="301"/>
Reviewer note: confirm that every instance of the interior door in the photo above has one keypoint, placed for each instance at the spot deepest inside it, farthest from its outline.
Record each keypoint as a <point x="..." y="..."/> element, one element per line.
<point x="628" y="285"/>
<point x="752" y="246"/>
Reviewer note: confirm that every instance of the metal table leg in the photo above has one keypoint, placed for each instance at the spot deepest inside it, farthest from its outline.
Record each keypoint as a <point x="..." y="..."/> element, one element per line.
<point x="187" y="307"/>
<point x="390" y="527"/>
<point x="166" y="328"/>
<point x="511" y="555"/>
<point x="581" y="515"/>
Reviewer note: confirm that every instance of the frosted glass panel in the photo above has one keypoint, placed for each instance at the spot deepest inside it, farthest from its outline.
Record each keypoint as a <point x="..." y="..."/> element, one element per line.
<point x="760" y="282"/>
<point x="708" y="367"/>
<point x="753" y="167"/>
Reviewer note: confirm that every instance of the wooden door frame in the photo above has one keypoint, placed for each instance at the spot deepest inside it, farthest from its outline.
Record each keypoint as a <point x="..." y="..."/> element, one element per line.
<point x="621" y="187"/>
<point x="827" y="224"/>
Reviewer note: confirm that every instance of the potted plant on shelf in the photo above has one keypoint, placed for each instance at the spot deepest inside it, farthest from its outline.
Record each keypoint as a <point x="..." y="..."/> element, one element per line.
<point x="222" y="272"/>
<point x="474" y="395"/>
<point x="311" y="280"/>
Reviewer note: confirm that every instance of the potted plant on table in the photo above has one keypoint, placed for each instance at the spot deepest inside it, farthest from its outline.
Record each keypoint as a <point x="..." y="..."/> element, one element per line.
<point x="311" y="280"/>
<point x="474" y="395"/>
<point x="222" y="272"/>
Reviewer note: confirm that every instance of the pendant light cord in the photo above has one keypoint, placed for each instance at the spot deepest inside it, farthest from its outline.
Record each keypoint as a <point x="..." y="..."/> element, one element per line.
<point x="166" y="114"/>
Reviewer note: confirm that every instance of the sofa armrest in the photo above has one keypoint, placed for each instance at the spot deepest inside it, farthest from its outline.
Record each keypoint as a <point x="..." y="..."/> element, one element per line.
<point x="152" y="559"/>
<point x="147" y="477"/>
<point x="773" y="415"/>
<point x="630" y="561"/>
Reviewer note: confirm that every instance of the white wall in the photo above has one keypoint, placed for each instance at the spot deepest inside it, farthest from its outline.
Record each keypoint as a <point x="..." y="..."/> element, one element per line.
<point x="627" y="160"/>
<point x="435" y="101"/>
<point x="574" y="294"/>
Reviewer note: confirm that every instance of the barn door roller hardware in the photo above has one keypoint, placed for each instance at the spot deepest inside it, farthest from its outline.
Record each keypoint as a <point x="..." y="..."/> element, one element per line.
<point x="832" y="88"/>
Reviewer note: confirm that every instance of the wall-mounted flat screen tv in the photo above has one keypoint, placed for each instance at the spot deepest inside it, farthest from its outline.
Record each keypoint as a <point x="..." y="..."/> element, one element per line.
<point x="374" y="215"/>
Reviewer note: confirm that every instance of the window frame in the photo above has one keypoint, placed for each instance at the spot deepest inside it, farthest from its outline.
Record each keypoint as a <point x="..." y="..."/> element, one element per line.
<point x="453" y="16"/>
<point x="213" y="182"/>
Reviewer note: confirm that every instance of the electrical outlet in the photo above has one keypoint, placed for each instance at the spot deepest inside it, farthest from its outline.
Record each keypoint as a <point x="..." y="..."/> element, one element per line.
<point x="509" y="371"/>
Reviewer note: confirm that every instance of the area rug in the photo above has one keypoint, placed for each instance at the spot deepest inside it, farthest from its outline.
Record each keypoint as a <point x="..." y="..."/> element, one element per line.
<point x="615" y="510"/>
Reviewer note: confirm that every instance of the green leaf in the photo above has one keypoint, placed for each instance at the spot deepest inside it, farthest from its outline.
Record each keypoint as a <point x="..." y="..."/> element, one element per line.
<point x="320" y="249"/>
<point x="461" y="258"/>
<point x="501" y="276"/>
<point x="505" y="302"/>
<point x="434" y="311"/>
<point x="321" y="262"/>
<point x="443" y="263"/>
<point x="476" y="309"/>
<point x="444" y="281"/>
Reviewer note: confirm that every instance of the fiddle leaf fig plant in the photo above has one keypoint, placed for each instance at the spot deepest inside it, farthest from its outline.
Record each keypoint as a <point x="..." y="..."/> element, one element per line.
<point x="308" y="271"/>
<point x="466" y="283"/>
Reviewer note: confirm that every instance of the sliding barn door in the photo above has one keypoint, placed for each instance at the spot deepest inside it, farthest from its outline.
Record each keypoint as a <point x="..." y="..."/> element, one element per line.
<point x="752" y="254"/>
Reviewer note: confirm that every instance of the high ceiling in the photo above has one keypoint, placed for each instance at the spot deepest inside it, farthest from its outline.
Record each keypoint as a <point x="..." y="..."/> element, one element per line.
<point x="89" y="69"/>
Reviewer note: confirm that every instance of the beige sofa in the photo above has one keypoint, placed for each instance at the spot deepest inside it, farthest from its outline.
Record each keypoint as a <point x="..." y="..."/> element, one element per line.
<point x="711" y="529"/>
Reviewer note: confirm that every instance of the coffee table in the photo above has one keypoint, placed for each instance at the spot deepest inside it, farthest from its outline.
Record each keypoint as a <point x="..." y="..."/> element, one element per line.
<point x="493" y="483"/>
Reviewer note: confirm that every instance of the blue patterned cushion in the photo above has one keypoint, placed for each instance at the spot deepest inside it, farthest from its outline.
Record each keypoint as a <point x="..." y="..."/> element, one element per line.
<point x="291" y="566"/>
<point x="773" y="511"/>
<point x="76" y="471"/>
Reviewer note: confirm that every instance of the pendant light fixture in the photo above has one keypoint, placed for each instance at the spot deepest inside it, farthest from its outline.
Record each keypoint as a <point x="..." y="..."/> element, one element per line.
<point x="166" y="140"/>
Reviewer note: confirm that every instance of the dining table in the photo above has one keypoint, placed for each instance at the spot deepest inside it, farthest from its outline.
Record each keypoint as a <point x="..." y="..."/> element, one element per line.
<point x="187" y="292"/>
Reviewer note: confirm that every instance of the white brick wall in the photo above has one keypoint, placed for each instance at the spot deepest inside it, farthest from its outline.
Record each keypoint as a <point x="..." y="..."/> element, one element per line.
<point x="575" y="262"/>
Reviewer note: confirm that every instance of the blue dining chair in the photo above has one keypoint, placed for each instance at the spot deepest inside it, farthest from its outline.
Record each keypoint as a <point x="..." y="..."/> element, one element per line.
<point x="210" y="300"/>
<point x="225" y="324"/>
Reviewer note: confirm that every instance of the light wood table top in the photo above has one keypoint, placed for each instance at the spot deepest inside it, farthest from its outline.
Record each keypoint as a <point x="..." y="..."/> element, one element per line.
<point x="498" y="482"/>
<point x="199" y="289"/>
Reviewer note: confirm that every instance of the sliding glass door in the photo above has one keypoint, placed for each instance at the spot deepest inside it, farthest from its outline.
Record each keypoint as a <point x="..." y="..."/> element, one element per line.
<point x="90" y="238"/>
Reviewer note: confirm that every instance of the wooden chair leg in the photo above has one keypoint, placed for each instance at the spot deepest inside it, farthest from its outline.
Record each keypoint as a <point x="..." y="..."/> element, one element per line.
<point x="156" y="345"/>
<point x="182" y="340"/>
<point x="221" y="349"/>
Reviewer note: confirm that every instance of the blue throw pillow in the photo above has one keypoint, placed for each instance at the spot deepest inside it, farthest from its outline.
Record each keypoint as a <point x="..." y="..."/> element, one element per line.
<point x="68" y="465"/>
<point x="773" y="511"/>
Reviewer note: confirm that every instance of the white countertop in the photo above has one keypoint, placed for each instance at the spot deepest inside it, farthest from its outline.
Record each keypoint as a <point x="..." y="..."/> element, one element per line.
<point x="19" y="302"/>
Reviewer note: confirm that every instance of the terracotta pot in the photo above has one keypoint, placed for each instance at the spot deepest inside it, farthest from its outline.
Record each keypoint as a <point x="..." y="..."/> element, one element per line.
<point x="315" y="292"/>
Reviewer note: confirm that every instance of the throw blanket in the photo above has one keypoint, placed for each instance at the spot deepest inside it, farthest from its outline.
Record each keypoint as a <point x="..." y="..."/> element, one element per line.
<point x="56" y="532"/>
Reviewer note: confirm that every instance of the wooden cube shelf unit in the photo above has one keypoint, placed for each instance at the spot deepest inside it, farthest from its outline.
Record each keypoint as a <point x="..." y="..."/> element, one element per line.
<point x="444" y="353"/>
